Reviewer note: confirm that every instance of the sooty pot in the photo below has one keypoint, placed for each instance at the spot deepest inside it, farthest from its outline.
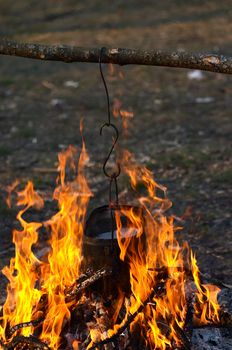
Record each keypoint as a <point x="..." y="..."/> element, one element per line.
<point x="101" y="248"/>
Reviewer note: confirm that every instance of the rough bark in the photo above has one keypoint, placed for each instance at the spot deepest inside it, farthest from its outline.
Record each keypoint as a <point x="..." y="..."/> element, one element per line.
<point x="84" y="282"/>
<point x="208" y="62"/>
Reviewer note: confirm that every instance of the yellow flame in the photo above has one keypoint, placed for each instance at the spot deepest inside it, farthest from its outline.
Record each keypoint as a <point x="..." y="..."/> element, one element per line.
<point x="24" y="301"/>
<point x="207" y="308"/>
<point x="148" y="246"/>
<point x="66" y="244"/>
<point x="154" y="249"/>
<point x="22" y="294"/>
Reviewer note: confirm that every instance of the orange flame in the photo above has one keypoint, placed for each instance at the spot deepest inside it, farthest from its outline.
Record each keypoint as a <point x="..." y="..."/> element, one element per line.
<point x="123" y="113"/>
<point x="207" y="308"/>
<point x="156" y="260"/>
<point x="155" y="249"/>
<point x="22" y="294"/>
<point x="24" y="300"/>
<point x="66" y="244"/>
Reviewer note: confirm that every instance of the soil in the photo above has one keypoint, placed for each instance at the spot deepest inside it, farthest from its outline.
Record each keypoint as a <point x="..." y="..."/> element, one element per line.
<point x="181" y="127"/>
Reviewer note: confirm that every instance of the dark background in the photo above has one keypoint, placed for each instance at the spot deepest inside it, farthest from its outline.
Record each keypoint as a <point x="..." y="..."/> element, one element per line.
<point x="181" y="128"/>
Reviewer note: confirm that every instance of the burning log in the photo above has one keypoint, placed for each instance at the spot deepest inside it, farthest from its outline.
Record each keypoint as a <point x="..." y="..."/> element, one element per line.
<point x="183" y="336"/>
<point x="208" y="62"/>
<point x="128" y="320"/>
<point x="19" y="326"/>
<point x="84" y="281"/>
<point x="25" y="343"/>
<point x="94" y="318"/>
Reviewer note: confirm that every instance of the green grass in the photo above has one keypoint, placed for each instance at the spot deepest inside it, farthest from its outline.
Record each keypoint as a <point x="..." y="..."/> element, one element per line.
<point x="5" y="211"/>
<point x="26" y="132"/>
<point x="7" y="81"/>
<point x="223" y="177"/>
<point x="4" y="151"/>
<point x="185" y="159"/>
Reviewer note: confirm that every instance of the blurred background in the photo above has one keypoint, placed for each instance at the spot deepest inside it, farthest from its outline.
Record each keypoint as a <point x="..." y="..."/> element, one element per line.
<point x="181" y="128"/>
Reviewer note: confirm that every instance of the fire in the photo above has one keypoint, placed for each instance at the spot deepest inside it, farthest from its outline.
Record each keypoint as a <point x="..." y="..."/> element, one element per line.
<point x="66" y="243"/>
<point x="160" y="251"/>
<point x="207" y="309"/>
<point x="32" y="281"/>
<point x="22" y="296"/>
<point x="154" y="252"/>
<point x="125" y="115"/>
<point x="158" y="264"/>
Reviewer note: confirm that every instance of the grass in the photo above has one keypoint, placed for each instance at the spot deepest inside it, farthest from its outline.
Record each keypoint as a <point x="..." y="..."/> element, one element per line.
<point x="6" y="81"/>
<point x="4" y="151"/>
<point x="185" y="158"/>
<point x="223" y="177"/>
<point x="5" y="211"/>
<point x="39" y="181"/>
<point x="26" y="132"/>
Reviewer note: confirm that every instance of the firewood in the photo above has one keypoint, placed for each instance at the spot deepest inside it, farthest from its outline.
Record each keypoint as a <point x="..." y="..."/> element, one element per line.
<point x="84" y="282"/>
<point x="188" y="326"/>
<point x="27" y="343"/>
<point x="129" y="319"/>
<point x="183" y="336"/>
<point x="18" y="326"/>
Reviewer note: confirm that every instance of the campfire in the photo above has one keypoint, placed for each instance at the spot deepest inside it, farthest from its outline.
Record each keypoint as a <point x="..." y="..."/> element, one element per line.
<point x="115" y="279"/>
<point x="140" y="289"/>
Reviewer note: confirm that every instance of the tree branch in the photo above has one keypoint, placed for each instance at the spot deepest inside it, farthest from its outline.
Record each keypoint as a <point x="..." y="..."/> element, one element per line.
<point x="208" y="62"/>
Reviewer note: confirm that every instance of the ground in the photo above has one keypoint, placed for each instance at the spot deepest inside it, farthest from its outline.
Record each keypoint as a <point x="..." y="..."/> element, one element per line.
<point x="181" y="128"/>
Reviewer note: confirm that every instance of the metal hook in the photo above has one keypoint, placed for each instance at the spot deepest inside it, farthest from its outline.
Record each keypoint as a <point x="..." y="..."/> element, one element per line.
<point x="115" y="174"/>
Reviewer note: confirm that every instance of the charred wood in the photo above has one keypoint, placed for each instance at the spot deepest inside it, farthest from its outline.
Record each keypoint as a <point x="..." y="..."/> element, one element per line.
<point x="27" y="343"/>
<point x="15" y="328"/>
<point x="128" y="320"/>
<point x="85" y="281"/>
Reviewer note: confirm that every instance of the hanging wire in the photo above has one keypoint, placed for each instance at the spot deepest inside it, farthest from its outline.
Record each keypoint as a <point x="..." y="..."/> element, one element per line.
<point x="112" y="176"/>
<point x="104" y="82"/>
